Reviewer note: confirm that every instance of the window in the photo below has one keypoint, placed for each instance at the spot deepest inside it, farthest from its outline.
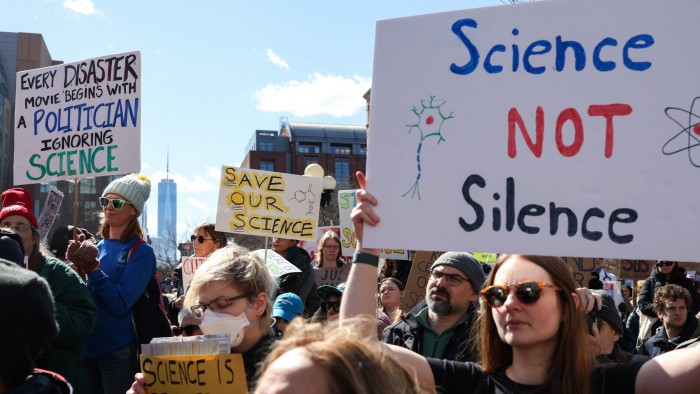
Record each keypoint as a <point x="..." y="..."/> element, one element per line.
<point x="308" y="148"/>
<point x="268" y="146"/>
<point x="363" y="149"/>
<point x="341" y="149"/>
<point x="310" y="160"/>
<point x="267" y="165"/>
<point x="342" y="170"/>
<point x="87" y="185"/>
<point x="89" y="209"/>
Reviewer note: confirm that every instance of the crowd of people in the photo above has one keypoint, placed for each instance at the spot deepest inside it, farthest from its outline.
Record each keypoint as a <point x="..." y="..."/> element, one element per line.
<point x="519" y="325"/>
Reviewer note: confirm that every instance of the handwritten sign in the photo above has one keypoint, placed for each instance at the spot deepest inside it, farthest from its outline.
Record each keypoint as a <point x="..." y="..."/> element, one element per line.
<point x="190" y="264"/>
<point x="636" y="269"/>
<point x="488" y="258"/>
<point x="268" y="203"/>
<point x="418" y="279"/>
<point x="331" y="276"/>
<point x="582" y="268"/>
<point x="212" y="374"/>
<point x="78" y="120"/>
<point x="346" y="202"/>
<point x="529" y="129"/>
<point x="277" y="264"/>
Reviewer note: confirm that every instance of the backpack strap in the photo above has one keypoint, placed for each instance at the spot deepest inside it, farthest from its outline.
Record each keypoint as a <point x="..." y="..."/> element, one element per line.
<point x="133" y="247"/>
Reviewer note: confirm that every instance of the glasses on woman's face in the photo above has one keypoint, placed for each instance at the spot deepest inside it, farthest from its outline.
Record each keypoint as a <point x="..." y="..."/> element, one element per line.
<point x="218" y="305"/>
<point x="335" y="305"/>
<point x="664" y="263"/>
<point x="116" y="203"/>
<point x="200" y="239"/>
<point x="528" y="292"/>
<point x="331" y="247"/>
<point x="18" y="227"/>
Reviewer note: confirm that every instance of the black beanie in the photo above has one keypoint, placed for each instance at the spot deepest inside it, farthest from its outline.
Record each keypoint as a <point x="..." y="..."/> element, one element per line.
<point x="609" y="313"/>
<point x="27" y="304"/>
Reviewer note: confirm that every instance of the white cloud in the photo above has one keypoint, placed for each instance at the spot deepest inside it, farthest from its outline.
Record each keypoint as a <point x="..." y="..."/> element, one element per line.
<point x="321" y="94"/>
<point x="276" y="60"/>
<point x="214" y="172"/>
<point x="145" y="166"/>
<point x="199" y="205"/>
<point x="184" y="184"/>
<point x="83" y="7"/>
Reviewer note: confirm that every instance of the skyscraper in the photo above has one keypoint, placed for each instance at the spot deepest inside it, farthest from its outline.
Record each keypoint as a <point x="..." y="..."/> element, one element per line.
<point x="167" y="206"/>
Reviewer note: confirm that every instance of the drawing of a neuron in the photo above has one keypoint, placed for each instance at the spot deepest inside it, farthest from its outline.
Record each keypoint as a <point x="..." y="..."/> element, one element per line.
<point x="430" y="121"/>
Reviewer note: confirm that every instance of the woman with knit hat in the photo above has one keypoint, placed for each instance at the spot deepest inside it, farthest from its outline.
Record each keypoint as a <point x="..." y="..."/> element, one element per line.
<point x="116" y="279"/>
<point x="76" y="313"/>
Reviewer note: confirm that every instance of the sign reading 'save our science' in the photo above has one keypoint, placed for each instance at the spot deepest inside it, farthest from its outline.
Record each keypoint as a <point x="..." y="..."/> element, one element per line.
<point x="78" y="120"/>
<point x="268" y="203"/>
<point x="564" y="128"/>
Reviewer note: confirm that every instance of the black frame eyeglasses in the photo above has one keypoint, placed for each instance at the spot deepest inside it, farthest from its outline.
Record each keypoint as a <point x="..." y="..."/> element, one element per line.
<point x="451" y="279"/>
<point x="218" y="305"/>
<point x="528" y="292"/>
<point x="117" y="203"/>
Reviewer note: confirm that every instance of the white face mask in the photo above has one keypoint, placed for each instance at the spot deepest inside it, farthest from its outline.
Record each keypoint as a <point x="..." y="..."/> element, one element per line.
<point x="223" y="323"/>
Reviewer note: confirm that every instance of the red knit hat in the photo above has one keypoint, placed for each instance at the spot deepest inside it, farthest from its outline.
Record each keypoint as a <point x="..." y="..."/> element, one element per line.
<point x="17" y="201"/>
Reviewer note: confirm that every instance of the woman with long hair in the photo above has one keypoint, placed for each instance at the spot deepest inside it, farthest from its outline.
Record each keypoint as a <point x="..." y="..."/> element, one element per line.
<point x="391" y="291"/>
<point x="533" y="336"/>
<point x="330" y="251"/>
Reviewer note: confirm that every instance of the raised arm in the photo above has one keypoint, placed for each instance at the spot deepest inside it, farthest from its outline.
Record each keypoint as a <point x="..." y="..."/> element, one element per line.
<point x="673" y="372"/>
<point x="358" y="298"/>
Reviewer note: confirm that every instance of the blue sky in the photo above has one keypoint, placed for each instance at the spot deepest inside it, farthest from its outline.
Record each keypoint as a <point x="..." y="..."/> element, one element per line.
<point x="216" y="71"/>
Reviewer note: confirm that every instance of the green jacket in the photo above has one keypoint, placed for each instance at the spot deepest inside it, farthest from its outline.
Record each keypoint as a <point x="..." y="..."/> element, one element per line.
<point x="76" y="314"/>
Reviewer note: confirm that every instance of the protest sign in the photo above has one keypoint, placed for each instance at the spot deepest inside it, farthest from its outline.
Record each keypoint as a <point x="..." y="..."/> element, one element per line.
<point x="277" y="264"/>
<point x="268" y="203"/>
<point x="331" y="276"/>
<point x="530" y="128"/>
<point x="635" y="269"/>
<point x="48" y="214"/>
<point x="488" y="258"/>
<point x="190" y="264"/>
<point x="78" y="120"/>
<point x="418" y="279"/>
<point x="212" y="374"/>
<point x="346" y="202"/>
<point x="582" y="269"/>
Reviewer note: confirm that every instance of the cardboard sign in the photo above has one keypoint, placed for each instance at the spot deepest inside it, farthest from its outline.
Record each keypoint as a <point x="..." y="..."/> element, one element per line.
<point x="346" y="202"/>
<point x="190" y="265"/>
<point x="212" y="374"/>
<point x="636" y="269"/>
<point x="268" y="203"/>
<point x="550" y="127"/>
<point x="418" y="279"/>
<point x="277" y="264"/>
<point x="78" y="120"/>
<point x="331" y="276"/>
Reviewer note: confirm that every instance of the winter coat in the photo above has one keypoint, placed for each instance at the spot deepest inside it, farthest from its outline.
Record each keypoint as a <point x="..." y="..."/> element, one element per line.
<point x="656" y="281"/>
<point x="659" y="343"/>
<point x="299" y="283"/>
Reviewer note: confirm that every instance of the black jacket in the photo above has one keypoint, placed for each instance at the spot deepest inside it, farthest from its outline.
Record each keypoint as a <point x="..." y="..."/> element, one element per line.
<point x="408" y="333"/>
<point x="659" y="343"/>
<point x="656" y="281"/>
<point x="299" y="283"/>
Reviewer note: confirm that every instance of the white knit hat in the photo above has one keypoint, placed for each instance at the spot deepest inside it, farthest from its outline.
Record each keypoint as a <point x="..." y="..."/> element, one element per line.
<point x="134" y="187"/>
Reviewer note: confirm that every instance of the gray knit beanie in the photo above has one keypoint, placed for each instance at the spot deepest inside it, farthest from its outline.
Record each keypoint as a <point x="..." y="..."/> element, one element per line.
<point x="465" y="262"/>
<point x="134" y="187"/>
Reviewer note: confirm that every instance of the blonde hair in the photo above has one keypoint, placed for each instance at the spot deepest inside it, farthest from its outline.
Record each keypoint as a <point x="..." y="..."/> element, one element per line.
<point x="237" y="266"/>
<point x="354" y="365"/>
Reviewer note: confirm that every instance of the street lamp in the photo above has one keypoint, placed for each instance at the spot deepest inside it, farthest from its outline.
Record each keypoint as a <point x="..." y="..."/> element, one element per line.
<point x="328" y="187"/>
<point x="327" y="213"/>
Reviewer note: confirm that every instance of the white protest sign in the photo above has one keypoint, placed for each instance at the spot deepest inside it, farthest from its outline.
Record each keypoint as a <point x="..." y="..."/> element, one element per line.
<point x="190" y="264"/>
<point x="268" y="203"/>
<point x="562" y="128"/>
<point x="78" y="120"/>
<point x="346" y="202"/>
<point x="277" y="264"/>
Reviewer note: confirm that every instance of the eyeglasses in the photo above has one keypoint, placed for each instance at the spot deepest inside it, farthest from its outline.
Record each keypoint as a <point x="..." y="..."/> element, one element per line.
<point x="326" y="305"/>
<point x="528" y="292"/>
<point x="452" y="279"/>
<point x="116" y="203"/>
<point x="200" y="239"/>
<point x="331" y="247"/>
<point x="664" y="263"/>
<point x="217" y="305"/>
<point x="19" y="227"/>
<point x="189" y="329"/>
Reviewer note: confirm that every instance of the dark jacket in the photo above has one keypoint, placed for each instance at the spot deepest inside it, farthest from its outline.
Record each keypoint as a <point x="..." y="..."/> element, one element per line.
<point x="656" y="281"/>
<point x="620" y="356"/>
<point x="299" y="283"/>
<point x="408" y="333"/>
<point x="659" y="343"/>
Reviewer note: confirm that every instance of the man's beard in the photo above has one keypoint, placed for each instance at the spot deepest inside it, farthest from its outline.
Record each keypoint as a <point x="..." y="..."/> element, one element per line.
<point x="442" y="308"/>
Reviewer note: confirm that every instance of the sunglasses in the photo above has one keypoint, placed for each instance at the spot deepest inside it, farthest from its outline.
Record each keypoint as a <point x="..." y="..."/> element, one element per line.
<point x="664" y="263"/>
<point x="528" y="292"/>
<point x="200" y="239"/>
<point x="326" y="305"/>
<point x="116" y="203"/>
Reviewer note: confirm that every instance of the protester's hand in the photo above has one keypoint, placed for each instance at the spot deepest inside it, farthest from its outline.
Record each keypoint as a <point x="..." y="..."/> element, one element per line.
<point x="588" y="298"/>
<point x="363" y="213"/>
<point x="179" y="301"/>
<point x="139" y="385"/>
<point x="595" y="342"/>
<point x="83" y="254"/>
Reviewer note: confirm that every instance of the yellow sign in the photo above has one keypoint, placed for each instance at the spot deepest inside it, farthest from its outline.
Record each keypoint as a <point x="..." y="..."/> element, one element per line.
<point x="488" y="258"/>
<point x="205" y="374"/>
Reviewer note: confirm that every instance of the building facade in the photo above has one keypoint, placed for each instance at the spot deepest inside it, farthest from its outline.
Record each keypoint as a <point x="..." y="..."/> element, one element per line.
<point x="25" y="51"/>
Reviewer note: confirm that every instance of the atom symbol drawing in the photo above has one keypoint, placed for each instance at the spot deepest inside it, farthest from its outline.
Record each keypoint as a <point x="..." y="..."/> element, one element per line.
<point x="689" y="135"/>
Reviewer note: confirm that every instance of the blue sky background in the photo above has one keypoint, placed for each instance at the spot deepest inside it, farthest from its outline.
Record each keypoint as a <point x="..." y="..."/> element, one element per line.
<point x="216" y="71"/>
